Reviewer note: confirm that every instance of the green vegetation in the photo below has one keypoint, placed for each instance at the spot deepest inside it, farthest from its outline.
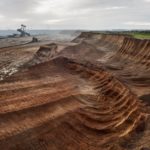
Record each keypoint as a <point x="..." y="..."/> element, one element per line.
<point x="141" y="35"/>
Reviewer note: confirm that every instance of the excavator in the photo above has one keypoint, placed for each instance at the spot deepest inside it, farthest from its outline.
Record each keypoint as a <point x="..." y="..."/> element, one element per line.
<point x="22" y="31"/>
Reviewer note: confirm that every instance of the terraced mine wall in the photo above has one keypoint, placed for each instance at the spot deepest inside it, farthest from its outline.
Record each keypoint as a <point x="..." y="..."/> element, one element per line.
<point x="67" y="103"/>
<point x="127" y="48"/>
<point x="113" y="41"/>
<point x="85" y="107"/>
<point x="136" y="50"/>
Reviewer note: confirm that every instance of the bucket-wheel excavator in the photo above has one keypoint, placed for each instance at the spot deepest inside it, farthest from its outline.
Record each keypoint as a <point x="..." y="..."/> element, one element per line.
<point x="22" y="31"/>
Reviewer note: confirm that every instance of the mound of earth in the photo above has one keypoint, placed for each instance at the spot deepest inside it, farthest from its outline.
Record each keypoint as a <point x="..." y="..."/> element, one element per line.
<point x="45" y="53"/>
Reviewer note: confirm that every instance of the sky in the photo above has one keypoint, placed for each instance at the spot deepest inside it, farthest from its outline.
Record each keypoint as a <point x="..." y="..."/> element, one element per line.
<point x="75" y="14"/>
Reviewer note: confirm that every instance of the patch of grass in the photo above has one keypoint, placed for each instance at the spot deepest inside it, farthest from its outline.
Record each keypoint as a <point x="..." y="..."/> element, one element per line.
<point x="141" y="35"/>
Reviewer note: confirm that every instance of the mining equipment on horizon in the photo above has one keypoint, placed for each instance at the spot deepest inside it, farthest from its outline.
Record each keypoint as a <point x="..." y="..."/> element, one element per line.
<point x="22" y="31"/>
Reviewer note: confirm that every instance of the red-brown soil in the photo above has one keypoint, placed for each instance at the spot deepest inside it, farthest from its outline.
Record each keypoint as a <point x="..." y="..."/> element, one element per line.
<point x="88" y="94"/>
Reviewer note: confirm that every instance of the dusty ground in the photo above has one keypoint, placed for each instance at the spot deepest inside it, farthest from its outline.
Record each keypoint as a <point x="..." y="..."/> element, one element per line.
<point x="92" y="93"/>
<point x="14" y="52"/>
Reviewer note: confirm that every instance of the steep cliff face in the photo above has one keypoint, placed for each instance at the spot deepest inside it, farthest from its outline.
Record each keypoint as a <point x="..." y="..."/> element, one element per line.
<point x="115" y="40"/>
<point x="104" y="42"/>
<point x="136" y="50"/>
<point x="131" y="63"/>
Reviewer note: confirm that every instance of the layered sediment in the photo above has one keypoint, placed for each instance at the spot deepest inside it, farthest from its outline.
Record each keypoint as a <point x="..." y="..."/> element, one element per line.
<point x="136" y="50"/>
<point x="77" y="98"/>
<point x="89" y="95"/>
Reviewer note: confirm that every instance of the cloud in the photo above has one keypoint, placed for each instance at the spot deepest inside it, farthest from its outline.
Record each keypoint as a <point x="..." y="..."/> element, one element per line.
<point x="115" y="8"/>
<point x="74" y="14"/>
<point x="20" y="20"/>
<point x="54" y="21"/>
<point x="1" y="16"/>
<point x="42" y="7"/>
<point x="138" y="23"/>
<point x="147" y="0"/>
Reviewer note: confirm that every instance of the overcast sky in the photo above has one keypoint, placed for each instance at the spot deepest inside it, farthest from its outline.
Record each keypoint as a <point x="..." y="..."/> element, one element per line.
<point x="75" y="14"/>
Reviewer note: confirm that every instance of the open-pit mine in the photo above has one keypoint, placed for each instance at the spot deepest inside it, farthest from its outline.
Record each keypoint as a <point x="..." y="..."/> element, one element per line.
<point x="90" y="93"/>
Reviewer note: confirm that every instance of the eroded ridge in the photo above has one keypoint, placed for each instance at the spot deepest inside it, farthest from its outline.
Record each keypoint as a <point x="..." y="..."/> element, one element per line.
<point x="112" y="95"/>
<point x="110" y="41"/>
<point x="136" y="50"/>
<point x="66" y="104"/>
<point x="112" y="112"/>
<point x="113" y="41"/>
